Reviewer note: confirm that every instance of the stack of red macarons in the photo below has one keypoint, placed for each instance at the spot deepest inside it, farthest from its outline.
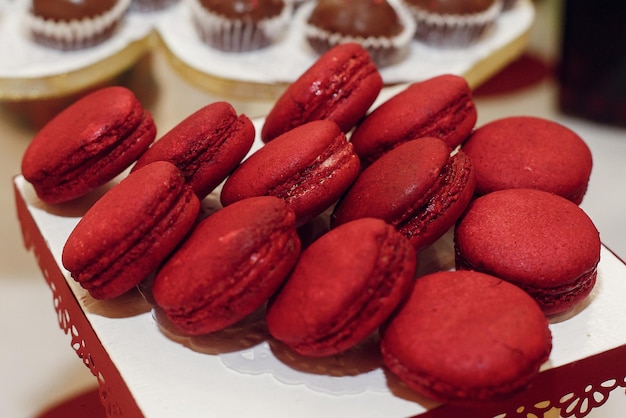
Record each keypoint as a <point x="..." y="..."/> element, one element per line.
<point x="387" y="183"/>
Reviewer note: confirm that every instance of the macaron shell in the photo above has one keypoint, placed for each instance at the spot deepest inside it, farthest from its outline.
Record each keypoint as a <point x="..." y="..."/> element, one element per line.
<point x="206" y="146"/>
<point x="340" y="86"/>
<point x="343" y="287"/>
<point x="537" y="240"/>
<point x="87" y="144"/>
<point x="128" y="232"/>
<point x="397" y="181"/>
<point x="456" y="339"/>
<point x="309" y="167"/>
<point x="418" y="187"/>
<point x="233" y="261"/>
<point x="440" y="107"/>
<point x="529" y="152"/>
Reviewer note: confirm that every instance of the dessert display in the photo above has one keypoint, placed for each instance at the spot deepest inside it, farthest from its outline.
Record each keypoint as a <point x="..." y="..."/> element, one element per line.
<point x="457" y="339"/>
<point x="453" y="23"/>
<point x="234" y="260"/>
<point x="30" y="71"/>
<point x="529" y="152"/>
<point x="385" y="31"/>
<point x="320" y="309"/>
<point x="340" y="86"/>
<point x="88" y="144"/>
<point x="421" y="190"/>
<point x="359" y="281"/>
<point x="130" y="230"/>
<point x="539" y="241"/>
<point x="70" y="25"/>
<point x="439" y="107"/>
<point x="205" y="147"/>
<point x="254" y="70"/>
<point x="239" y="25"/>
<point x="309" y="167"/>
<point x="276" y="67"/>
<point x="343" y="287"/>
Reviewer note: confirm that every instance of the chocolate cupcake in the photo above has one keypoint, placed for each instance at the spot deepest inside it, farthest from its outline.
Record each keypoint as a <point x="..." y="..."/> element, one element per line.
<point x="74" y="24"/>
<point x="385" y="31"/>
<point x="240" y="25"/>
<point x="453" y="23"/>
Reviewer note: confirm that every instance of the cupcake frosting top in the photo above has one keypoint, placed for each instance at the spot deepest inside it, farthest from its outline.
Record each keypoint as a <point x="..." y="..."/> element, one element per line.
<point x="248" y="9"/>
<point x="356" y="17"/>
<point x="70" y="9"/>
<point x="452" y="6"/>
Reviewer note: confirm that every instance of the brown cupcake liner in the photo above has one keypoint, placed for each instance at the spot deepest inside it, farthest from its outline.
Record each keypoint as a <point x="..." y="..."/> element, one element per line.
<point x="237" y="35"/>
<point x="76" y="34"/>
<point x="453" y="31"/>
<point x="384" y="51"/>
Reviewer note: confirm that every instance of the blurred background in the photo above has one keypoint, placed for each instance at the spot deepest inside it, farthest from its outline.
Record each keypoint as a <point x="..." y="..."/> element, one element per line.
<point x="40" y="372"/>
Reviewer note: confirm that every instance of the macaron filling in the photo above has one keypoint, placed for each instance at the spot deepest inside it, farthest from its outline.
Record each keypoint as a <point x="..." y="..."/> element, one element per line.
<point x="443" y="194"/>
<point x="435" y="387"/>
<point x="555" y="299"/>
<point x="324" y="167"/>
<point x="207" y="146"/>
<point x="444" y="123"/>
<point x="552" y="299"/>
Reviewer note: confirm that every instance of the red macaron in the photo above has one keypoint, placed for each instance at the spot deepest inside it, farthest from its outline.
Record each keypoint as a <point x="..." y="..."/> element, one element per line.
<point x="467" y="338"/>
<point x="529" y="152"/>
<point x="231" y="263"/>
<point x="440" y="107"/>
<point x="341" y="85"/>
<point x="87" y="144"/>
<point x="419" y="187"/>
<point x="130" y="230"/>
<point x="309" y="167"/>
<point x="206" y="146"/>
<point x="542" y="242"/>
<point x="344" y="286"/>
